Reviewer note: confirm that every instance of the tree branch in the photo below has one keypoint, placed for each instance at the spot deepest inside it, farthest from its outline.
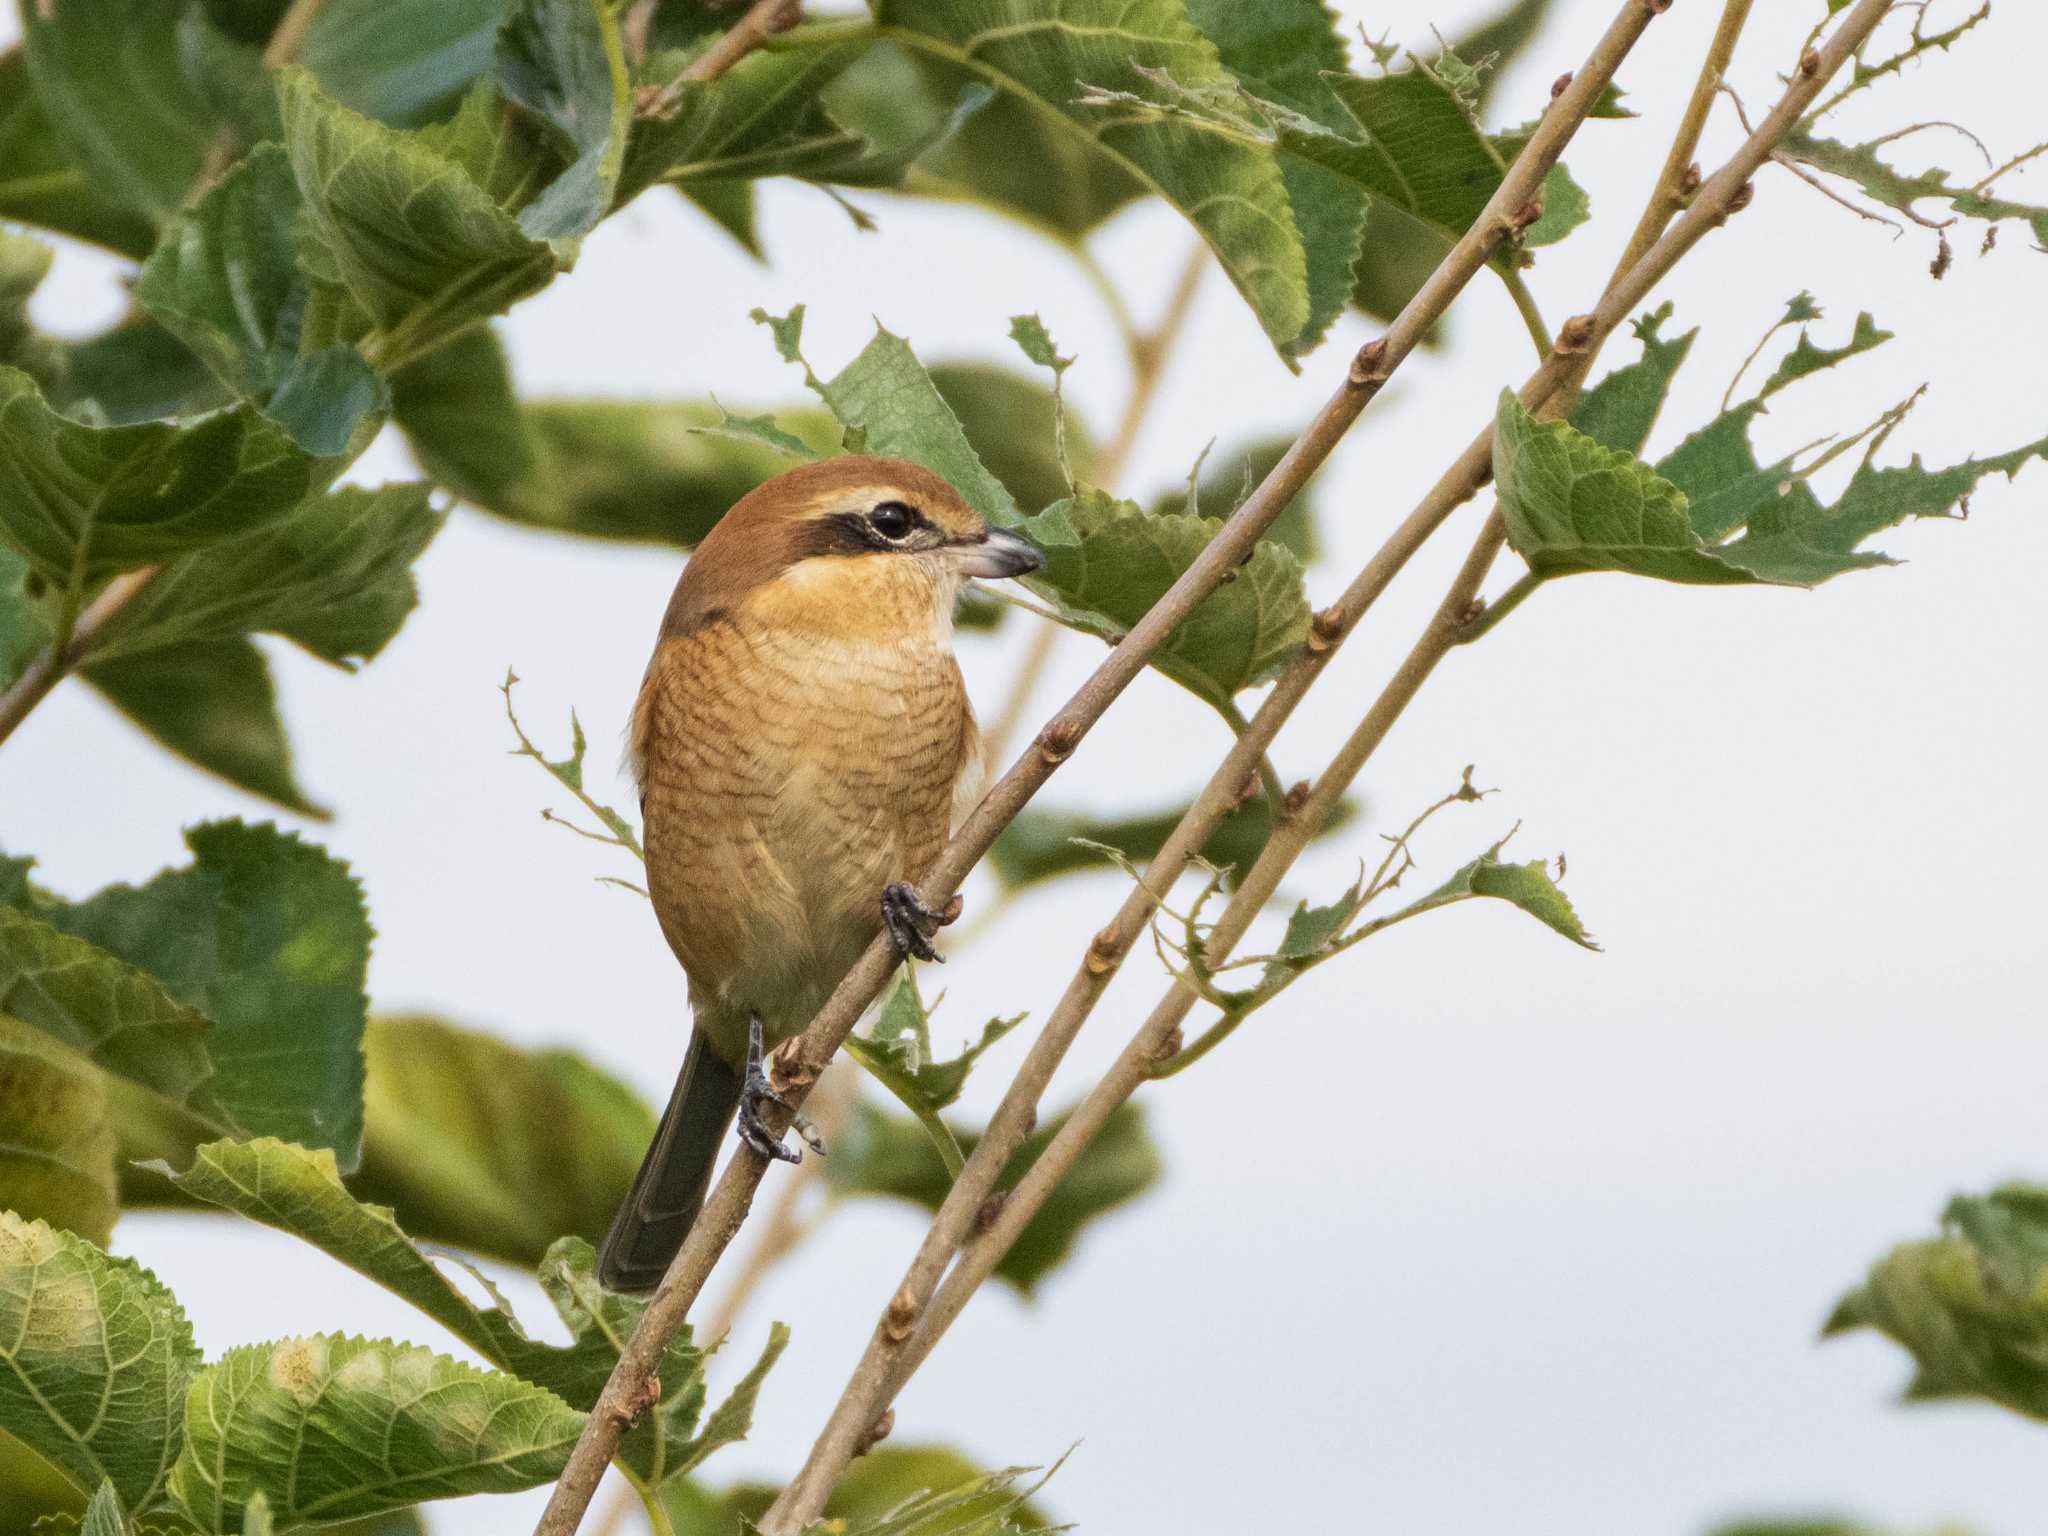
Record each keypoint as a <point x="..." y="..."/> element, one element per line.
<point x="880" y="1371"/>
<point x="1156" y="1040"/>
<point x="765" y="19"/>
<point x="56" y="663"/>
<point x="798" y="1062"/>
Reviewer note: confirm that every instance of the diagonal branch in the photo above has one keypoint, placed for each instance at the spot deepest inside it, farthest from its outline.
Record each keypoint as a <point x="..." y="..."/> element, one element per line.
<point x="877" y="1374"/>
<point x="800" y="1061"/>
<point x="1156" y="1041"/>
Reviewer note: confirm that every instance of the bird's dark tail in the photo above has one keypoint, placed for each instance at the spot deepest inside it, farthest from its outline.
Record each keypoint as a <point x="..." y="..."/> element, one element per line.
<point x="670" y="1186"/>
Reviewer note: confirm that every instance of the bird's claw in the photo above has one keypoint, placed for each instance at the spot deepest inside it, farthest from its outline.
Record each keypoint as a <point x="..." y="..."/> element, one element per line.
<point x="912" y="921"/>
<point x="756" y="1090"/>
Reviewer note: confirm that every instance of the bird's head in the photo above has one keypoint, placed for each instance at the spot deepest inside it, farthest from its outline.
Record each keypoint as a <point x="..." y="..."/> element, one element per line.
<point x="854" y="544"/>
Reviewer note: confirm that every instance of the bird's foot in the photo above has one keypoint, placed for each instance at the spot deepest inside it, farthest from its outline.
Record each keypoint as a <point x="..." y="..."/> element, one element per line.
<point x="756" y="1090"/>
<point x="912" y="921"/>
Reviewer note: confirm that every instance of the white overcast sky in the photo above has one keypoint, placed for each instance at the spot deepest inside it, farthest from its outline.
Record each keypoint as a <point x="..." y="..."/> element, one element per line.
<point x="1477" y="1231"/>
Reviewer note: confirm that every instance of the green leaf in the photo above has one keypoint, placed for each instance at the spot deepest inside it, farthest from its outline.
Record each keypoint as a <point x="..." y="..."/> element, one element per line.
<point x="1282" y="51"/>
<point x="103" y="1516"/>
<point x="56" y="1143"/>
<point x="330" y="1427"/>
<point x="987" y="1504"/>
<point x="1108" y="562"/>
<point x="211" y="702"/>
<point x="335" y="576"/>
<point x="563" y="59"/>
<point x="96" y="1357"/>
<point x="891" y="1156"/>
<point x="1037" y="52"/>
<point x="226" y="281"/>
<point x="646" y="471"/>
<point x="264" y="935"/>
<point x="488" y="1147"/>
<point x="1008" y="422"/>
<point x="107" y="76"/>
<point x="1229" y="475"/>
<point x="403" y="62"/>
<point x="300" y="1192"/>
<point x="136" y="372"/>
<point x="1573" y="505"/>
<point x="885" y="394"/>
<point x="763" y="117"/>
<point x="1716" y="465"/>
<point x="39" y="182"/>
<point x="883" y="1479"/>
<point x="1620" y="410"/>
<point x="1527" y="886"/>
<point x="901" y="1047"/>
<point x="1884" y="184"/>
<point x="83" y="502"/>
<point x="603" y="1321"/>
<point x="1785" y="533"/>
<point x="24" y="263"/>
<point x="420" y="246"/>
<point x="732" y="1420"/>
<point x="1969" y="1305"/>
<point x="118" y="1017"/>
<point x="1007" y="153"/>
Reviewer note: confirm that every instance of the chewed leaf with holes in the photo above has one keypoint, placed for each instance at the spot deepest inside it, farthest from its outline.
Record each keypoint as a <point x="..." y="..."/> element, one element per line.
<point x="1045" y="54"/>
<point x="332" y="1428"/>
<point x="94" y="1358"/>
<point x="1709" y="513"/>
<point x="1107" y="562"/>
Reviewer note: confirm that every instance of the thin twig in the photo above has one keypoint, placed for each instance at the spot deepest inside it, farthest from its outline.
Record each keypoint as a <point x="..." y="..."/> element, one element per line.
<point x="765" y="19"/>
<point x="867" y="1392"/>
<point x="58" y="661"/>
<point x="801" y="1060"/>
<point x="1154" y="1042"/>
<point x="1150" y="352"/>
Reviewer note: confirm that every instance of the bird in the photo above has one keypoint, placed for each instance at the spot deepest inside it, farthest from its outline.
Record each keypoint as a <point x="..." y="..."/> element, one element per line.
<point x="804" y="746"/>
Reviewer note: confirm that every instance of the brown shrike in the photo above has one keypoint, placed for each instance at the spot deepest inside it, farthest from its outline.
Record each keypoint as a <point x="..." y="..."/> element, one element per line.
<point x="804" y="747"/>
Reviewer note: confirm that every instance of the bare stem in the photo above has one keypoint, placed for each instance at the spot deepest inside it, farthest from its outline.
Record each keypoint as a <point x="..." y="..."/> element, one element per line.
<point x="765" y="19"/>
<point x="883" y="1371"/>
<point x="1676" y="181"/>
<point x="1532" y="316"/>
<point x="803" y="1059"/>
<point x="881" y="1367"/>
<point x="64" y="656"/>
<point x="1150" y="351"/>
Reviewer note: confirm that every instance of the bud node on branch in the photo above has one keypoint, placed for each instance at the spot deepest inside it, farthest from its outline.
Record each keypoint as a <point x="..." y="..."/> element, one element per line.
<point x="877" y="1432"/>
<point x="901" y="1316"/>
<point x="1575" y="335"/>
<point x="1560" y="85"/>
<point x="1370" y="366"/>
<point x="1057" y="741"/>
<point x="1326" y="628"/>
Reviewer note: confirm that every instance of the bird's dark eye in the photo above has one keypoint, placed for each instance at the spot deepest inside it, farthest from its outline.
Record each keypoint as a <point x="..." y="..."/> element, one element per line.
<point x="892" y="519"/>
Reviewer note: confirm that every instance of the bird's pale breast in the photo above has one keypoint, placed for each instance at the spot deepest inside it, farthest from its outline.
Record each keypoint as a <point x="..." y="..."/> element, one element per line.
<point x="789" y="772"/>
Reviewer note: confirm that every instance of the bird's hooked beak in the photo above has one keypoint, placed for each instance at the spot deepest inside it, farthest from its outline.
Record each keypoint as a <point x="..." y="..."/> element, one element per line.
<point x="998" y="553"/>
